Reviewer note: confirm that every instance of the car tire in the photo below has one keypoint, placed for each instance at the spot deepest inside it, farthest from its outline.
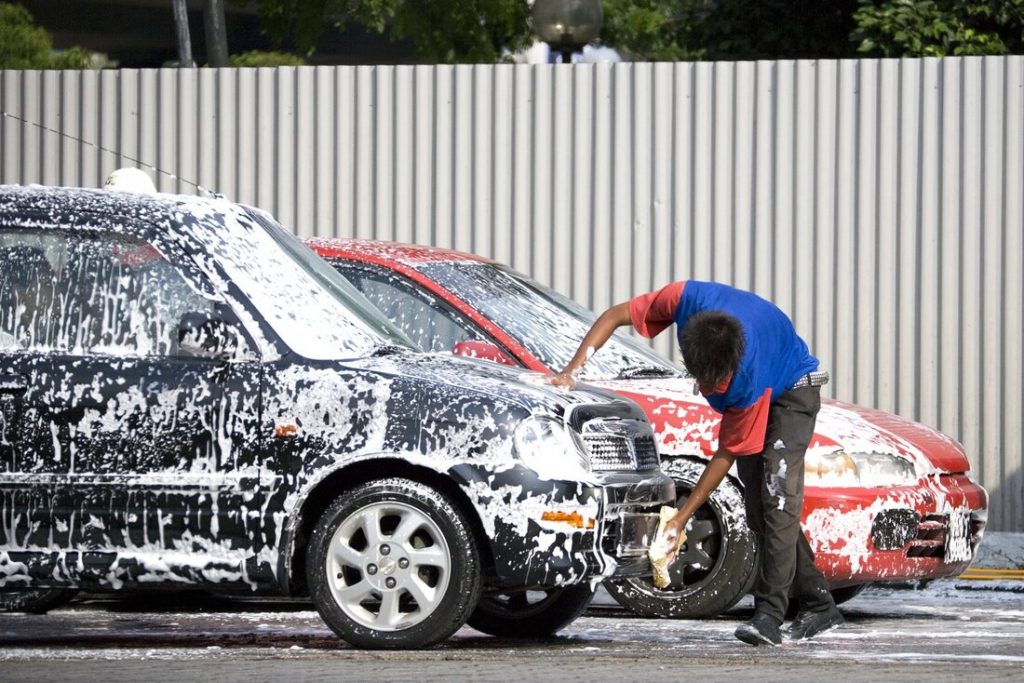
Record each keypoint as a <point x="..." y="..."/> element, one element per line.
<point x="35" y="600"/>
<point x="839" y="596"/>
<point x="393" y="564"/>
<point x="717" y="565"/>
<point x="847" y="593"/>
<point x="514" y="615"/>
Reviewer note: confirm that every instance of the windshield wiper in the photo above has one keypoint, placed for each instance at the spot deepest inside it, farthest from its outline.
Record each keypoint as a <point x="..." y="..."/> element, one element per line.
<point x="386" y="349"/>
<point x="638" y="371"/>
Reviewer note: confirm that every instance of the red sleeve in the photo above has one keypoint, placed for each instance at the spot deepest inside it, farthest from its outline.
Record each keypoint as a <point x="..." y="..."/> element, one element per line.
<point x="651" y="313"/>
<point x="743" y="431"/>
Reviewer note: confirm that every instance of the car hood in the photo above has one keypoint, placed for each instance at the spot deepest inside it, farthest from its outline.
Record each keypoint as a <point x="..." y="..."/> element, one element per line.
<point x="686" y="425"/>
<point x="483" y="378"/>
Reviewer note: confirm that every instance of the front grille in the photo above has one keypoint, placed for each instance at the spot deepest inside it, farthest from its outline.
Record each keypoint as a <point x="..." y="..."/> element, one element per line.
<point x="978" y="523"/>
<point x="610" y="536"/>
<point x="894" y="529"/>
<point x="616" y="436"/>
<point x="901" y="528"/>
<point x="610" y="452"/>
<point x="646" y="454"/>
<point x="931" y="538"/>
<point x="628" y="533"/>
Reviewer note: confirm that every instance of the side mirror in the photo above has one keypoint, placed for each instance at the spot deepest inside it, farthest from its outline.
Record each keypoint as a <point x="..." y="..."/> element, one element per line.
<point x="483" y="351"/>
<point x="207" y="336"/>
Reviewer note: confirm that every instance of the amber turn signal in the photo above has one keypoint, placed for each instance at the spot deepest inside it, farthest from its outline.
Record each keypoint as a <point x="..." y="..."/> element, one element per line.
<point x="285" y="431"/>
<point x="573" y="519"/>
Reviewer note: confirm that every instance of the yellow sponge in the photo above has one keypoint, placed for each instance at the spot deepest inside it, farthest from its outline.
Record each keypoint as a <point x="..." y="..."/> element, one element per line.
<point x="662" y="547"/>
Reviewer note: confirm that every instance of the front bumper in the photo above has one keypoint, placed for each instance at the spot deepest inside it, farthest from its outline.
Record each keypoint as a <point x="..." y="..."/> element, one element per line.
<point x="926" y="531"/>
<point x="620" y="518"/>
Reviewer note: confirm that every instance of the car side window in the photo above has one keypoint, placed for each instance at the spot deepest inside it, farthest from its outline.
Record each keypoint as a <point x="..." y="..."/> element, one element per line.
<point x="427" y="321"/>
<point x="90" y="293"/>
<point x="26" y="293"/>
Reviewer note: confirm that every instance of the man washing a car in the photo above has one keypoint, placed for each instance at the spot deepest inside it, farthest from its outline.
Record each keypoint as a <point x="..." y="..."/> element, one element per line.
<point x="753" y="368"/>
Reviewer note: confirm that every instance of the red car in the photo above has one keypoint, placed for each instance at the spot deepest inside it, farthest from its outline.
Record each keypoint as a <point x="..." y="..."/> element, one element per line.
<point x="886" y="498"/>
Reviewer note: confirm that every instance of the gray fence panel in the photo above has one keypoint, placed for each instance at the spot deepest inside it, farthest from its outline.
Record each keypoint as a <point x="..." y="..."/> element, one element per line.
<point x="878" y="202"/>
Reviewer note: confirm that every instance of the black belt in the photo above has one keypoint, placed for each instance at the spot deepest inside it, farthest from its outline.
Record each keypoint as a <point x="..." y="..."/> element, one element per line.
<point x="812" y="379"/>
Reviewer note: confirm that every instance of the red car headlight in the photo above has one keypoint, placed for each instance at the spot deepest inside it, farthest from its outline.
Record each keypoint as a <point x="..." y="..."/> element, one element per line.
<point x="839" y="468"/>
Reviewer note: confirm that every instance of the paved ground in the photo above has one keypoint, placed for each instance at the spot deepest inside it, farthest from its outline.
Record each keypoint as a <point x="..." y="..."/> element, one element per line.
<point x="948" y="631"/>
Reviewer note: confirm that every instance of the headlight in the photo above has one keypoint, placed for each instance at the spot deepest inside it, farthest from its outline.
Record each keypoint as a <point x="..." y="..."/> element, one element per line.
<point x="840" y="468"/>
<point x="546" y="446"/>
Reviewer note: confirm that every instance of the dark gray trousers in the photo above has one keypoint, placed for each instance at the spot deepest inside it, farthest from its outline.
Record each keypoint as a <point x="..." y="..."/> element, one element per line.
<point x="773" y="485"/>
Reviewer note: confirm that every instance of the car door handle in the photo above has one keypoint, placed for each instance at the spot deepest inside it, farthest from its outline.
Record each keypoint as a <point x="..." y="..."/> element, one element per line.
<point x="14" y="385"/>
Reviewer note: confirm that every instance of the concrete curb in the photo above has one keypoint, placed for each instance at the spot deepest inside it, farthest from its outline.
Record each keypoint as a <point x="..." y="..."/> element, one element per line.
<point x="1000" y="557"/>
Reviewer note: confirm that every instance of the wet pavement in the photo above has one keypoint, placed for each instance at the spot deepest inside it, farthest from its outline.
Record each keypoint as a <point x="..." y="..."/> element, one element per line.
<point x="950" y="630"/>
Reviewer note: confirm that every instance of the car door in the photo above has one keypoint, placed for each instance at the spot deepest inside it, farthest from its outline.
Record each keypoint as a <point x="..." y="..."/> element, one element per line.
<point x="28" y="466"/>
<point x="127" y="457"/>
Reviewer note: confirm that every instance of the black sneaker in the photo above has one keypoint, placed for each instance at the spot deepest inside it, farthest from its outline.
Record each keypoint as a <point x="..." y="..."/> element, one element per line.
<point x="761" y="630"/>
<point x="810" y="624"/>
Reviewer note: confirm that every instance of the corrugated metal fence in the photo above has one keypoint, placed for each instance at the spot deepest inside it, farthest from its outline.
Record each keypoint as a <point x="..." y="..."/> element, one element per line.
<point x="878" y="202"/>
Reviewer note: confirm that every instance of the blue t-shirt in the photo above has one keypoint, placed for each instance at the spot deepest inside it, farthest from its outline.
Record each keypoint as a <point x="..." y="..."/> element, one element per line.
<point x="774" y="356"/>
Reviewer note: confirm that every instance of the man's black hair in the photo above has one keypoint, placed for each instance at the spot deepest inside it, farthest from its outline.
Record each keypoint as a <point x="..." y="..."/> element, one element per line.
<point x="712" y="344"/>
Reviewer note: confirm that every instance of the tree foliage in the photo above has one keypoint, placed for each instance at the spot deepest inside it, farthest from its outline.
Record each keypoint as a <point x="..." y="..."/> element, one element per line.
<point x="450" y="31"/>
<point x="476" y="31"/>
<point x="299" y="24"/>
<point x="261" y="58"/>
<point x="24" y="45"/>
<point x="934" y="28"/>
<point x="488" y="30"/>
<point x="657" y="30"/>
<point x="728" y="29"/>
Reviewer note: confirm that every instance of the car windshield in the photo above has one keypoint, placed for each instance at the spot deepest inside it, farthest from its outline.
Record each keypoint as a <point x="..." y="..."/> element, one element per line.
<point x="548" y="324"/>
<point x="316" y="311"/>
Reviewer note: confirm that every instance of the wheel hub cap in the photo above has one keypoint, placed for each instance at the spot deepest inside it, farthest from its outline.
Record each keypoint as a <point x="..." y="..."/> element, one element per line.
<point x="389" y="566"/>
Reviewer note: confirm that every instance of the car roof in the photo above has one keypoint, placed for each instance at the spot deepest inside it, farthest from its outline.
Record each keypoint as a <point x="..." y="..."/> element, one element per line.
<point x="381" y="250"/>
<point x="46" y="199"/>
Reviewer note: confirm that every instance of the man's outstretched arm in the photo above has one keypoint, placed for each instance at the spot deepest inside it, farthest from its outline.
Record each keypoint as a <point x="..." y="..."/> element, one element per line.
<point x="615" y="317"/>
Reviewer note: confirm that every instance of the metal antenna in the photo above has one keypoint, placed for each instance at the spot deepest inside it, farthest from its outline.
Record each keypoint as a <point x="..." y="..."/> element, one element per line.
<point x="202" y="190"/>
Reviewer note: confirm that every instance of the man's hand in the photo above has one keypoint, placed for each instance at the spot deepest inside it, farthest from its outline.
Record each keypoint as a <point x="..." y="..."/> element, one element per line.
<point x="674" y="536"/>
<point x="562" y="379"/>
<point x="662" y="552"/>
<point x="606" y="323"/>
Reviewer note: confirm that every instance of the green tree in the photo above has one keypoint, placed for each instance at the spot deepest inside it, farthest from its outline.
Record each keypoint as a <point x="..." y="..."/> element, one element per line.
<point x="478" y="31"/>
<point x="24" y="45"/>
<point x="934" y="28"/>
<point x="450" y="31"/>
<point x="660" y="30"/>
<point x="260" y="58"/>
<point x="488" y="30"/>
<point x="729" y="29"/>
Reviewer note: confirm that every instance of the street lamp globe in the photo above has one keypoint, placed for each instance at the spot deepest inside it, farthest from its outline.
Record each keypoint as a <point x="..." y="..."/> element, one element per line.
<point x="567" y="25"/>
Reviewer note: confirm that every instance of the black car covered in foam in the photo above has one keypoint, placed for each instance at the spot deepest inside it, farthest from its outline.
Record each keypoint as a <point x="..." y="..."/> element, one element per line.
<point x="190" y="397"/>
